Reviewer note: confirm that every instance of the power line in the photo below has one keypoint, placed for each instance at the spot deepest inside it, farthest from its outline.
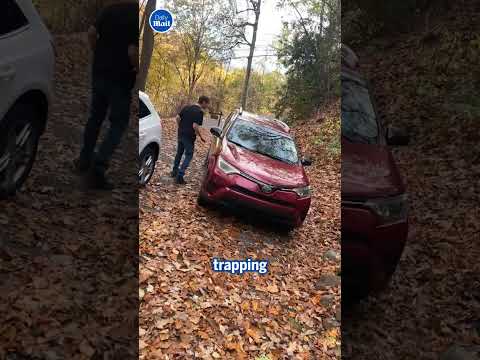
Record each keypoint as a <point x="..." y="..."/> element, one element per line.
<point x="267" y="48"/>
<point x="246" y="57"/>
<point x="261" y="51"/>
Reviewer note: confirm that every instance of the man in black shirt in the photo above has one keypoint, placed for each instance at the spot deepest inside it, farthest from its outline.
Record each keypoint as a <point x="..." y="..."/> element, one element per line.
<point x="189" y="122"/>
<point x="114" y="41"/>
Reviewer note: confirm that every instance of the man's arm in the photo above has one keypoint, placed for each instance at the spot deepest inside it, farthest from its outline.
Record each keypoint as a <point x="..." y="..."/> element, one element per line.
<point x="133" y="56"/>
<point x="92" y="37"/>
<point x="197" y="126"/>
<point x="198" y="131"/>
<point x="133" y="40"/>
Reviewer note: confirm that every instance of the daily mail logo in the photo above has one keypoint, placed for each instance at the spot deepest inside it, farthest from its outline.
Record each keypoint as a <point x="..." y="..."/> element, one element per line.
<point x="161" y="21"/>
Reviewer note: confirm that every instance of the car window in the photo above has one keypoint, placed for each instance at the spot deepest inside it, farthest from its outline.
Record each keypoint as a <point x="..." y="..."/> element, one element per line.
<point x="263" y="140"/>
<point x="359" y="121"/>
<point x="143" y="110"/>
<point x="11" y="17"/>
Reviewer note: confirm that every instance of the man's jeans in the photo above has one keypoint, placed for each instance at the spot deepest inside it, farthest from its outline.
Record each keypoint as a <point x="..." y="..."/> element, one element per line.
<point x="105" y="95"/>
<point x="185" y="145"/>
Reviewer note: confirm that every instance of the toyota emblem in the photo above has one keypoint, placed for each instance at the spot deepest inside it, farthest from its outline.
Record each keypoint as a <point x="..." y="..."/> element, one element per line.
<point x="267" y="189"/>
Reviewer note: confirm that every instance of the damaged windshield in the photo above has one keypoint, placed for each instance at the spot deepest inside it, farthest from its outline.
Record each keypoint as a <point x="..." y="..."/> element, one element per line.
<point x="264" y="141"/>
<point x="359" y="123"/>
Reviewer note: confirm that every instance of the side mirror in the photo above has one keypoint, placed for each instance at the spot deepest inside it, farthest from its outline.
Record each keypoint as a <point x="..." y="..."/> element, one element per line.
<point x="307" y="162"/>
<point x="216" y="131"/>
<point x="397" y="136"/>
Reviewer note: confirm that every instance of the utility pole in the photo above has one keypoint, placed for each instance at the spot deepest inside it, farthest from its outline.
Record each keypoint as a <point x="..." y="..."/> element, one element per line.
<point x="256" y="4"/>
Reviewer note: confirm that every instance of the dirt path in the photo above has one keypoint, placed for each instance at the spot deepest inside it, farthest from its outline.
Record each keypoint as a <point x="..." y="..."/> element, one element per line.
<point x="65" y="253"/>
<point x="191" y="312"/>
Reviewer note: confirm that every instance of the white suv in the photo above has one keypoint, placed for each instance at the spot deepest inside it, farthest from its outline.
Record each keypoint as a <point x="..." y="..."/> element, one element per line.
<point x="150" y="138"/>
<point x="26" y="73"/>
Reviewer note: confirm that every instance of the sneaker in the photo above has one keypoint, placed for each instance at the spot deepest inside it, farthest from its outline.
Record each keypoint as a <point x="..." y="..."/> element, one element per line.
<point x="79" y="167"/>
<point x="174" y="174"/>
<point x="180" y="180"/>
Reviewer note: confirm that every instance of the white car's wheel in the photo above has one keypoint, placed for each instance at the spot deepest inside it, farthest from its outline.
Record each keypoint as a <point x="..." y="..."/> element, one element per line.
<point x="19" y="138"/>
<point x="148" y="160"/>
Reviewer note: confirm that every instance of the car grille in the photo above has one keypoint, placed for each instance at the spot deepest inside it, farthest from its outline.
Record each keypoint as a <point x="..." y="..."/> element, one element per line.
<point x="260" y="196"/>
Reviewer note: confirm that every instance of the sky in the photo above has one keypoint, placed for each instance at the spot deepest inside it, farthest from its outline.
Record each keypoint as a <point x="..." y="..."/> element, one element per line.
<point x="269" y="28"/>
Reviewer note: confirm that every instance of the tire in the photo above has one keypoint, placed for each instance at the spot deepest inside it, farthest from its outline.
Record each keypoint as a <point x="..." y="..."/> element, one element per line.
<point x="202" y="201"/>
<point x="147" y="163"/>
<point x="362" y="274"/>
<point x="287" y="229"/>
<point x="354" y="285"/>
<point x="19" y="135"/>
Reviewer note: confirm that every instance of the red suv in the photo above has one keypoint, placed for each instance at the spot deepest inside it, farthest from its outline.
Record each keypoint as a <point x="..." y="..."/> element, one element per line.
<point x="253" y="164"/>
<point x="374" y="202"/>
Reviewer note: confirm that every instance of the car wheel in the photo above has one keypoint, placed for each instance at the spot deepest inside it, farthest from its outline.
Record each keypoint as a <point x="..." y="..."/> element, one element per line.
<point x="202" y="200"/>
<point x="362" y="273"/>
<point x="288" y="228"/>
<point x="354" y="284"/>
<point x="19" y="139"/>
<point x="147" y="162"/>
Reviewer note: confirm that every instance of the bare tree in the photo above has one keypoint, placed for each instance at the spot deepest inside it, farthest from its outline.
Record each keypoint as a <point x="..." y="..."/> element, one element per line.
<point x="256" y="8"/>
<point x="203" y="32"/>
<point x="147" y="45"/>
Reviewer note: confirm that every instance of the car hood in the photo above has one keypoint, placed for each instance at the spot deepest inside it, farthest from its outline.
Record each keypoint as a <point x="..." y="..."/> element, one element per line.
<point x="263" y="168"/>
<point x="369" y="171"/>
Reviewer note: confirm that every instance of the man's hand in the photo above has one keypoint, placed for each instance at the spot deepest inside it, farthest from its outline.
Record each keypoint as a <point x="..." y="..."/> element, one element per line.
<point x="201" y="135"/>
<point x="198" y="132"/>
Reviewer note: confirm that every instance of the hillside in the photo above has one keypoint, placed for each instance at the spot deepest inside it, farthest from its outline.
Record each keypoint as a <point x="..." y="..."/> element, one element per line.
<point x="428" y="84"/>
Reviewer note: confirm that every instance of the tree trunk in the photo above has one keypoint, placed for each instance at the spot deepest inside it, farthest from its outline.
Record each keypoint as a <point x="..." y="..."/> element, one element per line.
<point x="147" y="47"/>
<point x="250" y="56"/>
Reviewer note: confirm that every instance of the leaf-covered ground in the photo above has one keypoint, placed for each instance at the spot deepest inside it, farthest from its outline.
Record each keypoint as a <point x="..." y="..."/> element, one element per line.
<point x="429" y="85"/>
<point x="68" y="256"/>
<point x="188" y="311"/>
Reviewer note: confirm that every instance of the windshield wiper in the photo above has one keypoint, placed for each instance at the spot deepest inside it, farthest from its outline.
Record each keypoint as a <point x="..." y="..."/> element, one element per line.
<point x="275" y="157"/>
<point x="262" y="153"/>
<point x="357" y="138"/>
<point x="238" y="144"/>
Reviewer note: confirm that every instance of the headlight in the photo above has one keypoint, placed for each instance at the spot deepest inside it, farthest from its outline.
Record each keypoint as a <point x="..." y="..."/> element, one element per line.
<point x="390" y="210"/>
<point x="303" y="192"/>
<point x="226" y="167"/>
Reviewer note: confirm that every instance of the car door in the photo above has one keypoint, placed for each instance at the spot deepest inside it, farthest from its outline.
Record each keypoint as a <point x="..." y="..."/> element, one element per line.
<point x="144" y="116"/>
<point x="13" y="49"/>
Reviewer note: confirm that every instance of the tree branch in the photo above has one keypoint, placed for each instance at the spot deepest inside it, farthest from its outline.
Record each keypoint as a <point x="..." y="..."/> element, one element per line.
<point x="246" y="10"/>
